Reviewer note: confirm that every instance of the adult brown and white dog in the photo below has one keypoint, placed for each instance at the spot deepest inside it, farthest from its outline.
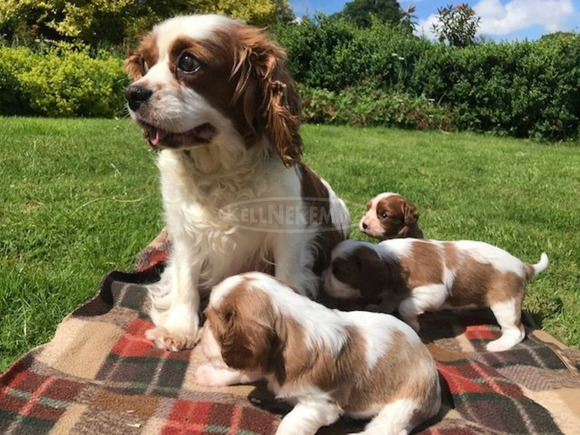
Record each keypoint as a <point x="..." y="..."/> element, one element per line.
<point x="418" y="276"/>
<point x="389" y="216"/>
<point x="214" y="97"/>
<point x="326" y="362"/>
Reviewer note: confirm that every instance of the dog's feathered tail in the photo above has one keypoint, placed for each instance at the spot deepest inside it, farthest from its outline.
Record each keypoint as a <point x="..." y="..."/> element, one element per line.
<point x="534" y="270"/>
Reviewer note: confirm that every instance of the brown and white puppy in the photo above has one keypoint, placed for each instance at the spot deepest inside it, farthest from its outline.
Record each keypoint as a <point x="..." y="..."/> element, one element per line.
<point x="214" y="98"/>
<point x="389" y="216"/>
<point x="418" y="276"/>
<point x="327" y="362"/>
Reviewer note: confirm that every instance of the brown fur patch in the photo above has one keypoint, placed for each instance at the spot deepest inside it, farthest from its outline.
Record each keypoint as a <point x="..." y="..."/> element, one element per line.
<point x="423" y="265"/>
<point x="481" y="283"/>
<point x="143" y="58"/>
<point x="366" y="271"/>
<point x="213" y="81"/>
<point x="266" y="91"/>
<point x="389" y="379"/>
<point x="317" y="201"/>
<point x="401" y="218"/>
<point x="243" y="325"/>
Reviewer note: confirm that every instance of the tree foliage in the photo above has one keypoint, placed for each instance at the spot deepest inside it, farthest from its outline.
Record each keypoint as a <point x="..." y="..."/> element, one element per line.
<point x="457" y="25"/>
<point x="359" y="12"/>
<point x="116" y="21"/>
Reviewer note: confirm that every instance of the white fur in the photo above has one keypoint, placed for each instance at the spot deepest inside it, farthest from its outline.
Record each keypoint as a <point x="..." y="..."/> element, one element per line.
<point x="541" y="265"/>
<point x="200" y="188"/>
<point x="423" y="299"/>
<point x="377" y="330"/>
<point x="193" y="26"/>
<point x="486" y="253"/>
<point x="309" y="415"/>
<point x="393" y="419"/>
<point x="507" y="315"/>
<point x="396" y="247"/>
<point x="338" y="210"/>
<point x="326" y="328"/>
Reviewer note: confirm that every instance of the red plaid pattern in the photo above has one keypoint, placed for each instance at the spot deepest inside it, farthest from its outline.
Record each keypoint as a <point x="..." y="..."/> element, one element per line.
<point x="127" y="386"/>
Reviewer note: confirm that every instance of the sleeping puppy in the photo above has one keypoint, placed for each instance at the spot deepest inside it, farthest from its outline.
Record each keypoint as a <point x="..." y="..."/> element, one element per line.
<point x="389" y="216"/>
<point x="214" y="98"/>
<point x="422" y="275"/>
<point x="327" y="362"/>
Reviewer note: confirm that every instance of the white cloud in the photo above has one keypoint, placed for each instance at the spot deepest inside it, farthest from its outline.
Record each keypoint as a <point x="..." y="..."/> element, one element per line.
<point x="425" y="26"/>
<point x="499" y="19"/>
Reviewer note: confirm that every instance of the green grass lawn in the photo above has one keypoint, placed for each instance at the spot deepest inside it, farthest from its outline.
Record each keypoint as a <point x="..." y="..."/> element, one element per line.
<point x="80" y="197"/>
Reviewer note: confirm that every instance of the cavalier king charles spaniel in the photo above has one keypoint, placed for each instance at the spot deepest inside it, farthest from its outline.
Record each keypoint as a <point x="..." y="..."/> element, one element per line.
<point x="390" y="216"/>
<point x="417" y="276"/>
<point x="213" y="96"/>
<point x="327" y="363"/>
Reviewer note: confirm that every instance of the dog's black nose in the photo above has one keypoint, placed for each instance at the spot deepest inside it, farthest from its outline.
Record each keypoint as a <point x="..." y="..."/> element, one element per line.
<point x="137" y="95"/>
<point x="365" y="226"/>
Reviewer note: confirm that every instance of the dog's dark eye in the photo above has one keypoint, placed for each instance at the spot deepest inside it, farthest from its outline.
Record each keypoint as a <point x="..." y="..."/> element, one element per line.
<point x="188" y="63"/>
<point x="144" y="66"/>
<point x="383" y="215"/>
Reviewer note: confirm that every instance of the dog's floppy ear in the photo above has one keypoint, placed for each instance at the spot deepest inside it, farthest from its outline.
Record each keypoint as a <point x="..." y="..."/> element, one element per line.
<point x="245" y="342"/>
<point x="373" y="272"/>
<point x="134" y="66"/>
<point x="410" y="217"/>
<point x="265" y="86"/>
<point x="380" y="278"/>
<point x="410" y="212"/>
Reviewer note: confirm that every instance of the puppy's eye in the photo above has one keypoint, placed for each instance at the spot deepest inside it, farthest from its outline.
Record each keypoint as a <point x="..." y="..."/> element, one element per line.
<point x="188" y="63"/>
<point x="383" y="215"/>
<point x="144" y="66"/>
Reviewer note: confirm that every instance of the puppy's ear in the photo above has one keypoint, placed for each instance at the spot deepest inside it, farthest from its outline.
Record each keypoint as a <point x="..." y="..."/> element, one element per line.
<point x="381" y="280"/>
<point x="410" y="212"/>
<point x="245" y="343"/>
<point x="265" y="85"/>
<point x="134" y="66"/>
<point x="373" y="272"/>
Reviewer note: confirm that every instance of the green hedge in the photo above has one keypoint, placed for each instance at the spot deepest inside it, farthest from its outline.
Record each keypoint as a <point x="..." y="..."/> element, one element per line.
<point x="374" y="76"/>
<point x="523" y="89"/>
<point x="61" y="81"/>
<point x="368" y="105"/>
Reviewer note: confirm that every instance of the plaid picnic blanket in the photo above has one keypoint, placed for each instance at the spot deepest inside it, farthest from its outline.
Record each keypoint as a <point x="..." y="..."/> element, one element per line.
<point x="100" y="375"/>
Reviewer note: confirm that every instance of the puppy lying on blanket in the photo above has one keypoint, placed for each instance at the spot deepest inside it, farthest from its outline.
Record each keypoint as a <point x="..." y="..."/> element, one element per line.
<point x="327" y="362"/>
<point x="390" y="215"/>
<point x="425" y="275"/>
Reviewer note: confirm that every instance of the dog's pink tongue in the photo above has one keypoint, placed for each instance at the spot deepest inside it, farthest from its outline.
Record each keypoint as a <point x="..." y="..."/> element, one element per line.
<point x="157" y="136"/>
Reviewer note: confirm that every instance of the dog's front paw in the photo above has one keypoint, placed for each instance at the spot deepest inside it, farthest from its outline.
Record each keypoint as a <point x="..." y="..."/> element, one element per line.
<point x="176" y="340"/>
<point x="208" y="376"/>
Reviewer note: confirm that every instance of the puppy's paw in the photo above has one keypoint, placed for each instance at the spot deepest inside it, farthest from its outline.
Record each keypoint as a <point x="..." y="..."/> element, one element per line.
<point x="510" y="337"/>
<point x="208" y="376"/>
<point x="177" y="340"/>
<point x="499" y="345"/>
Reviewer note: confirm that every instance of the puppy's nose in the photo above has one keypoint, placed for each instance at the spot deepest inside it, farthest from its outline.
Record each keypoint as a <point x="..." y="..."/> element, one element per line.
<point x="137" y="95"/>
<point x="364" y="225"/>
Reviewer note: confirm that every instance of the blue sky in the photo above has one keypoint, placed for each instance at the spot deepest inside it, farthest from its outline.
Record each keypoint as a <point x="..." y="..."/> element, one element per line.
<point x="500" y="19"/>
